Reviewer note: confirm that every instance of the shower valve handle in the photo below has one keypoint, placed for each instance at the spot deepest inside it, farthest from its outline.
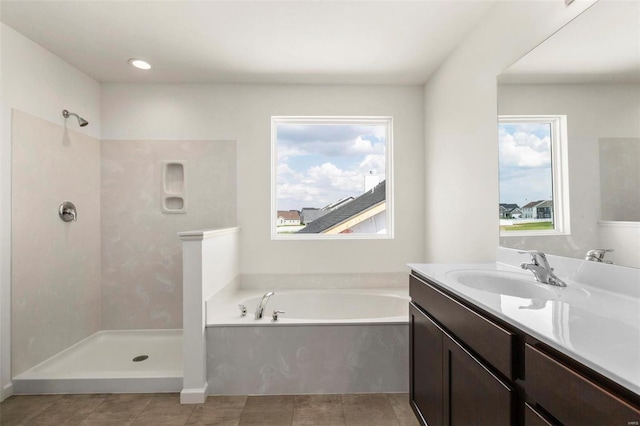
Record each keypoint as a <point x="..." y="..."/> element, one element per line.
<point x="67" y="212"/>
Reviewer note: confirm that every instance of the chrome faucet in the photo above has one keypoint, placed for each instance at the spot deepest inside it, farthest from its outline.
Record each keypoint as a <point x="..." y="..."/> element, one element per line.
<point x="262" y="304"/>
<point x="541" y="269"/>
<point x="597" y="255"/>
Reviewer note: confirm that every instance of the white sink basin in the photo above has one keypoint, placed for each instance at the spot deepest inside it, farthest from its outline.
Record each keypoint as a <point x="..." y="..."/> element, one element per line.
<point x="505" y="283"/>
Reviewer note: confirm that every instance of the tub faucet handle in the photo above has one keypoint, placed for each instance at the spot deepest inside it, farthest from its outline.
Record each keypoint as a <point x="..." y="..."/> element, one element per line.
<point x="243" y="310"/>
<point x="274" y="316"/>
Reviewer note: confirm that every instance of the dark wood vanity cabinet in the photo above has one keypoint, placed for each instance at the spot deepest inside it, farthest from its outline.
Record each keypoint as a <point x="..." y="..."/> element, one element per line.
<point x="468" y="368"/>
<point x="449" y="385"/>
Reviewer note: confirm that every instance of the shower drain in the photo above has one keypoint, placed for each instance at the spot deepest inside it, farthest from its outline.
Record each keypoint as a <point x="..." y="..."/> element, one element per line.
<point x="140" y="358"/>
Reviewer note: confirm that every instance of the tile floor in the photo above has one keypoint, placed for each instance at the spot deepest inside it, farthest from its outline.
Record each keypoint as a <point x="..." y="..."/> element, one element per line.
<point x="165" y="409"/>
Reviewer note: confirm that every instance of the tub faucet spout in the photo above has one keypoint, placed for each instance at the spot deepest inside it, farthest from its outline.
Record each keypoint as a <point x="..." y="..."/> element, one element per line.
<point x="263" y="304"/>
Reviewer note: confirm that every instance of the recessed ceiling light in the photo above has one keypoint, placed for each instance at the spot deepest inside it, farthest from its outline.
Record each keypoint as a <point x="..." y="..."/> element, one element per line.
<point x="139" y="63"/>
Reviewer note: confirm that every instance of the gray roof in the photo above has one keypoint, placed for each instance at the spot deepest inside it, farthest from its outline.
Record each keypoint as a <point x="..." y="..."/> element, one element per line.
<point x="508" y="206"/>
<point x="309" y="214"/>
<point x="347" y="211"/>
<point x="532" y="204"/>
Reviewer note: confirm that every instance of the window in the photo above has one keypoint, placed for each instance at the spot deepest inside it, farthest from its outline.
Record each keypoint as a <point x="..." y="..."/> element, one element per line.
<point x="331" y="178"/>
<point x="534" y="193"/>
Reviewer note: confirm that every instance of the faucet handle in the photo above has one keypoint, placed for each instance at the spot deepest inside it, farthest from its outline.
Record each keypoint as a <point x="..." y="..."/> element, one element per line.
<point x="536" y="256"/>
<point x="243" y="310"/>
<point x="532" y="253"/>
<point x="274" y="316"/>
<point x="597" y="255"/>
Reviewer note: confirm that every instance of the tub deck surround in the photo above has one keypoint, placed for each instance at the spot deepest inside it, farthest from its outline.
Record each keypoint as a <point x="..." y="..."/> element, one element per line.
<point x="308" y="359"/>
<point x="329" y="340"/>
<point x="597" y="323"/>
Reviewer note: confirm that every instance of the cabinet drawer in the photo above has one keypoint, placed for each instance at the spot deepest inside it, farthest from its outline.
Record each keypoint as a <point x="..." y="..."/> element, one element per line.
<point x="489" y="340"/>
<point x="570" y="397"/>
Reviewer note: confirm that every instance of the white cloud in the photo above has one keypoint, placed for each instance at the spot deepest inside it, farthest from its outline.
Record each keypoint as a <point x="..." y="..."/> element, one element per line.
<point x="328" y="175"/>
<point x="375" y="163"/>
<point x="287" y="174"/>
<point x="320" y="165"/>
<point x="323" y="184"/>
<point x="524" y="149"/>
<point x="285" y="152"/>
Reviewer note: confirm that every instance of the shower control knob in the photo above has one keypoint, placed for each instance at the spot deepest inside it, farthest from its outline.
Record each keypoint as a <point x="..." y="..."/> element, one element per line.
<point x="67" y="212"/>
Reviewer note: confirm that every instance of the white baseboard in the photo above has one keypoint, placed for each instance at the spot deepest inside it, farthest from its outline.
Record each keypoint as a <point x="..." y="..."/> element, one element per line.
<point x="6" y="392"/>
<point x="194" y="395"/>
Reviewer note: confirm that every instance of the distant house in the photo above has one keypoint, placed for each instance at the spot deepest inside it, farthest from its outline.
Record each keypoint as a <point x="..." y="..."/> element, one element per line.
<point x="288" y="217"/>
<point x="364" y="214"/>
<point x="309" y="214"/>
<point x="510" y="211"/>
<point x="541" y="209"/>
<point x="544" y="210"/>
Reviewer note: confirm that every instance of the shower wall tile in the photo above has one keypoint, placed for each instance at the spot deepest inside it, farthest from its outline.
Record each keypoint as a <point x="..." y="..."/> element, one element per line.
<point x="55" y="280"/>
<point x="308" y="359"/>
<point x="141" y="251"/>
<point x="620" y="179"/>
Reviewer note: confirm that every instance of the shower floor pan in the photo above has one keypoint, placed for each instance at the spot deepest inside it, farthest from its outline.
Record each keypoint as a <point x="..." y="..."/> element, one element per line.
<point x="104" y="363"/>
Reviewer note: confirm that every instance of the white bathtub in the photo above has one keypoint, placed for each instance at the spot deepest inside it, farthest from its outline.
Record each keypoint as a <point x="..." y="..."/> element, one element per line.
<point x="327" y="341"/>
<point x="334" y="306"/>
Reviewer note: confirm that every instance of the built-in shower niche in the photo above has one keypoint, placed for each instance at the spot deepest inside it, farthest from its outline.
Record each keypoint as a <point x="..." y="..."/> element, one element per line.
<point x="174" y="187"/>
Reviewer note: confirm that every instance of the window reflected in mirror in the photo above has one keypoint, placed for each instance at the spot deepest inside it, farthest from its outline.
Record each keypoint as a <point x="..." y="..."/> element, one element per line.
<point x="530" y="169"/>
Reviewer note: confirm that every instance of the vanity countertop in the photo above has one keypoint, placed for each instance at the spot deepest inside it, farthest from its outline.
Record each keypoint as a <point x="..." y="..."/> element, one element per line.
<point x="596" y="326"/>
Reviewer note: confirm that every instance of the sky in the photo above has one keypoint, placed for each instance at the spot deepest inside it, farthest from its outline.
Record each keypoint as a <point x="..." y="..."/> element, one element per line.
<point x="319" y="164"/>
<point x="525" y="162"/>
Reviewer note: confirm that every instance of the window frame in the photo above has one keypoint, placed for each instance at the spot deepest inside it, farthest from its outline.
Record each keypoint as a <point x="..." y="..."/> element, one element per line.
<point x="387" y="121"/>
<point x="559" y="173"/>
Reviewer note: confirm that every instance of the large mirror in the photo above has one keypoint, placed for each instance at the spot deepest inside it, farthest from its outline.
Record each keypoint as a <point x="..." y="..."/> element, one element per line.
<point x="570" y="139"/>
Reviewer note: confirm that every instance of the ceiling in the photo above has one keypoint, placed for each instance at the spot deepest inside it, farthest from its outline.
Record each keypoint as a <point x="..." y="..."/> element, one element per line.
<point x="602" y="45"/>
<point x="318" y="42"/>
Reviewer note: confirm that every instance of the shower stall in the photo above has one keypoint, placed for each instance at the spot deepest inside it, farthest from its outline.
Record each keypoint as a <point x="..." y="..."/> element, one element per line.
<point x="96" y="260"/>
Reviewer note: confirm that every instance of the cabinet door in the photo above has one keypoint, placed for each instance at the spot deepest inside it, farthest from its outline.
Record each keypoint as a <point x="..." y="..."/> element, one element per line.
<point x="425" y="340"/>
<point x="475" y="395"/>
<point x="534" y="418"/>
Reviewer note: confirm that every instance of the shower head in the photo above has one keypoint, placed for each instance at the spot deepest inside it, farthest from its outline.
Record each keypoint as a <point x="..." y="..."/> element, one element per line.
<point x="81" y="121"/>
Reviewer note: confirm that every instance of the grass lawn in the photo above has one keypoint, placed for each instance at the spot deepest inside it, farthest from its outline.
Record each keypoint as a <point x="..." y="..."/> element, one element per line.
<point x="533" y="226"/>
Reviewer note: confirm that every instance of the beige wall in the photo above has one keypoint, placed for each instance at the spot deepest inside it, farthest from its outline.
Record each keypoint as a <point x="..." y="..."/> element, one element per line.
<point x="55" y="265"/>
<point x="141" y="251"/>
<point x="243" y="113"/>
<point x="41" y="84"/>
<point x="461" y="134"/>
